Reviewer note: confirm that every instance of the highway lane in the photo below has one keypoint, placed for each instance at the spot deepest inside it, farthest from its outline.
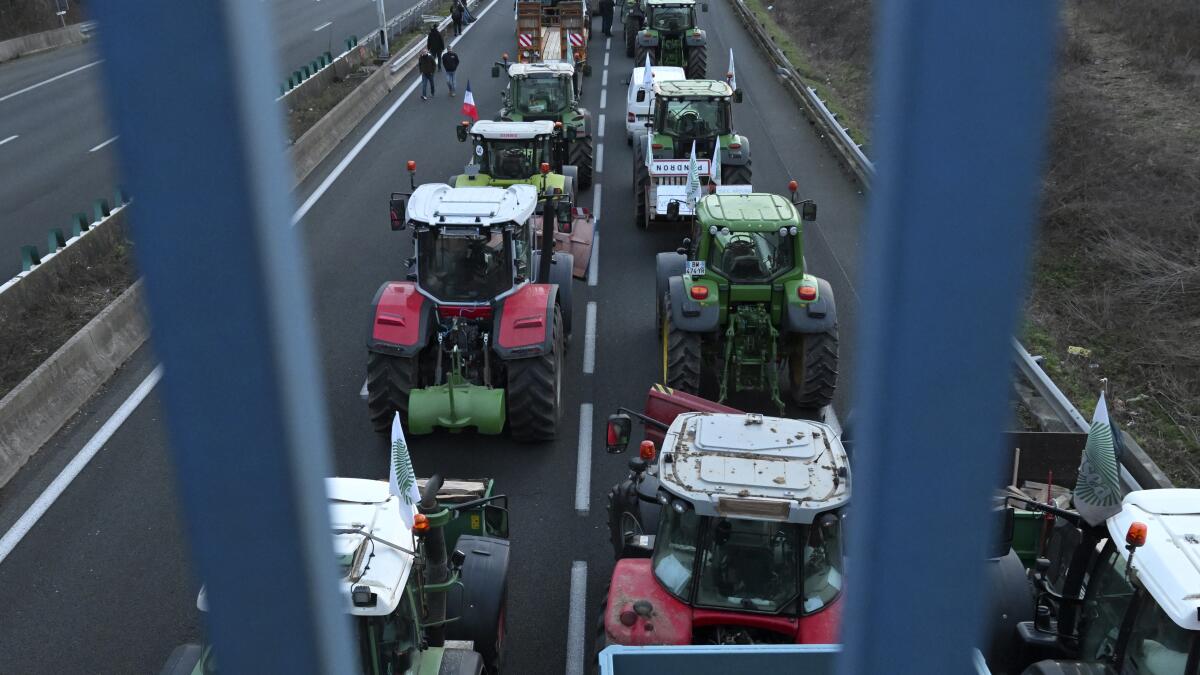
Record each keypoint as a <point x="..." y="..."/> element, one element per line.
<point x="127" y="493"/>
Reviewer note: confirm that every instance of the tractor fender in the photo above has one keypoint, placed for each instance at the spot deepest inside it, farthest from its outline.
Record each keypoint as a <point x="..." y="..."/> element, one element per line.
<point x="480" y="600"/>
<point x="645" y="39"/>
<point x="523" y="321"/>
<point x="400" y="319"/>
<point x="666" y="265"/>
<point x="689" y="315"/>
<point x="560" y="275"/>
<point x="818" y="316"/>
<point x="633" y="581"/>
<point x="692" y="40"/>
<point x="584" y="129"/>
<point x="739" y="157"/>
<point x="460" y="662"/>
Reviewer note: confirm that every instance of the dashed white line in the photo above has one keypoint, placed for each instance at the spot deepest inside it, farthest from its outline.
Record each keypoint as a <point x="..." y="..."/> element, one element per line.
<point x="607" y="44"/>
<point x="577" y="619"/>
<point x="594" y="263"/>
<point x="104" y="144"/>
<point x="16" y="136"/>
<point x="589" y="336"/>
<point x="583" y="467"/>
<point x="45" y="82"/>
<point x="56" y="487"/>
<point x="327" y="24"/>
<point x="603" y="99"/>
<point x="596" y="189"/>
<point x="606" y="59"/>
<point x="604" y="78"/>
<point x="599" y="161"/>
<point x="362" y="393"/>
<point x="600" y="126"/>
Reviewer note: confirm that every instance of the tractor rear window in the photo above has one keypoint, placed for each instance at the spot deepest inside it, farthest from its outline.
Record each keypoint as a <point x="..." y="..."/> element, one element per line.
<point x="464" y="267"/>
<point x="695" y="119"/>
<point x="750" y="257"/>
<point x="513" y="160"/>
<point x="541" y="95"/>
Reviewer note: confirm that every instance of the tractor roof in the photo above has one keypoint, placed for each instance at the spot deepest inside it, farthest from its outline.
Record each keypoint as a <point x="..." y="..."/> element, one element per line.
<point x="512" y="130"/>
<point x="1169" y="563"/>
<point x="754" y="467"/>
<point x="440" y="204"/>
<point x="689" y="88"/>
<point x="671" y="3"/>
<point x="555" y="68"/>
<point x="747" y="212"/>
<point x="369" y="506"/>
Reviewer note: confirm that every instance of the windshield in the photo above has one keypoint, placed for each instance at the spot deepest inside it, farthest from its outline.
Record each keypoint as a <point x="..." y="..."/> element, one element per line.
<point x="541" y="95"/>
<point x="1157" y="645"/>
<point x="511" y="160"/>
<point x="750" y="257"/>
<point x="1109" y="593"/>
<point x="675" y="551"/>
<point x="462" y="266"/>
<point x="672" y="19"/>
<point x="697" y="119"/>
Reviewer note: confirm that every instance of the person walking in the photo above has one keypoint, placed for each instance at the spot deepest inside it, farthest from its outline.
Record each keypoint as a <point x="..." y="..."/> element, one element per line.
<point x="456" y="17"/>
<point x="436" y="45"/>
<point x="450" y="65"/>
<point x="606" y="16"/>
<point x="427" y="66"/>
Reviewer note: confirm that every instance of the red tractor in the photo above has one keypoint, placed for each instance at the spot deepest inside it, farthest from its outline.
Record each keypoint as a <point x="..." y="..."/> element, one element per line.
<point x="728" y="530"/>
<point x="475" y="337"/>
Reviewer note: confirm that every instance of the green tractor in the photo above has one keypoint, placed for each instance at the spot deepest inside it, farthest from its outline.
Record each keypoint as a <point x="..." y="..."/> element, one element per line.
<point x="669" y="37"/>
<point x="549" y="92"/>
<point x="736" y="301"/>
<point x="687" y="114"/>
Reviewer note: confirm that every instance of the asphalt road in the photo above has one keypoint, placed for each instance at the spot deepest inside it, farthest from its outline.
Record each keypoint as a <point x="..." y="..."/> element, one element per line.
<point x="56" y="155"/>
<point x="102" y="584"/>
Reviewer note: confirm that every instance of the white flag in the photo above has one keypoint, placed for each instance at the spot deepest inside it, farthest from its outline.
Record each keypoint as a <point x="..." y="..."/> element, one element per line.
<point x="714" y="168"/>
<point x="648" y="78"/>
<point x="1097" y="492"/>
<point x="732" y="75"/>
<point x="401" y="479"/>
<point x="693" y="179"/>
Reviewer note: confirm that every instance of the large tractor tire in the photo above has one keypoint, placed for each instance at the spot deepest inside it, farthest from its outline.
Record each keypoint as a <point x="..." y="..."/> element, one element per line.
<point x="813" y="369"/>
<point x="631" y="31"/>
<point x="624" y="517"/>
<point x="483" y="597"/>
<point x="697" y="63"/>
<point x="580" y="155"/>
<point x="600" y="641"/>
<point x="389" y="380"/>
<point x="681" y="354"/>
<point x="534" y="394"/>
<point x="739" y="174"/>
<point x="641" y="181"/>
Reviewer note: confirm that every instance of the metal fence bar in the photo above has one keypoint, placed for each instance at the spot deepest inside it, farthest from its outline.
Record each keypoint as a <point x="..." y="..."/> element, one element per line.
<point x="202" y="145"/>
<point x="963" y="92"/>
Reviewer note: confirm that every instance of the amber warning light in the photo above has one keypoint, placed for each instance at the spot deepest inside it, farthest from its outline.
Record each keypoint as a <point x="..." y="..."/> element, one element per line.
<point x="1136" y="536"/>
<point x="646" y="451"/>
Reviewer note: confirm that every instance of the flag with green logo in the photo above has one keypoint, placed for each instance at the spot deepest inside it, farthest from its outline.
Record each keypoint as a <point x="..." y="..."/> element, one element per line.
<point x="693" y="180"/>
<point x="401" y="478"/>
<point x="1098" y="487"/>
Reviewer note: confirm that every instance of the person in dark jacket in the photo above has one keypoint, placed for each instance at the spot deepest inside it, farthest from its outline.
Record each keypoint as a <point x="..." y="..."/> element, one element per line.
<point x="427" y="66"/>
<point x="606" y="16"/>
<point x="450" y="65"/>
<point x="456" y="17"/>
<point x="436" y="45"/>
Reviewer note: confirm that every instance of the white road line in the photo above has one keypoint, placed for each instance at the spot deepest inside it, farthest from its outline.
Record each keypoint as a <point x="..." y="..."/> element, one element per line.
<point x="599" y="127"/>
<point x="599" y="161"/>
<point x="322" y="26"/>
<point x="56" y="487"/>
<point x="16" y="136"/>
<point x="596" y="189"/>
<point x="45" y="82"/>
<point x="604" y="78"/>
<point x="104" y="144"/>
<point x="363" y="392"/>
<point x="362" y="142"/>
<point x="577" y="619"/>
<point x="605" y="59"/>
<point x="583" y="467"/>
<point x="603" y="99"/>
<point x="607" y="44"/>
<point x="589" y="335"/>
<point x="594" y="263"/>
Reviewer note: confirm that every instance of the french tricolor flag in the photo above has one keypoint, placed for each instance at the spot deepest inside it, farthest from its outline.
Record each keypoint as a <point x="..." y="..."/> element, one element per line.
<point x="468" y="108"/>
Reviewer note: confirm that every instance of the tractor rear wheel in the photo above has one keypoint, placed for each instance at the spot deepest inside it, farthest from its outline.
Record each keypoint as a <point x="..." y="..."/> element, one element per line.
<point x="681" y="355"/>
<point x="389" y="380"/>
<point x="630" y="37"/>
<point x="641" y="184"/>
<point x="813" y="369"/>
<point x="697" y="63"/>
<point x="579" y="154"/>
<point x="534" y="395"/>
<point x="735" y="175"/>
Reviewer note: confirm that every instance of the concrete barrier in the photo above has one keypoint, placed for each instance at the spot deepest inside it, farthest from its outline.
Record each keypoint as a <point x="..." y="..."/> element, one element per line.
<point x="40" y="42"/>
<point x="43" y="402"/>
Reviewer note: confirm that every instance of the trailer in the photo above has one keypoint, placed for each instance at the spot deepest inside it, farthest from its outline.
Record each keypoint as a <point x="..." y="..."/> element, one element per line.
<point x="553" y="31"/>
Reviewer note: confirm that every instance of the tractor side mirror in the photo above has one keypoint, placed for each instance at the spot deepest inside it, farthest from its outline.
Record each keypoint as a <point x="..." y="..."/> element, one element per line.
<point x="620" y="426"/>
<point x="457" y="559"/>
<point x="587" y="70"/>
<point x="737" y="95"/>
<point x="808" y="211"/>
<point x="396" y="208"/>
<point x="685" y="246"/>
<point x="461" y="132"/>
<point x="563" y="215"/>
<point x="673" y="209"/>
<point x="495" y="71"/>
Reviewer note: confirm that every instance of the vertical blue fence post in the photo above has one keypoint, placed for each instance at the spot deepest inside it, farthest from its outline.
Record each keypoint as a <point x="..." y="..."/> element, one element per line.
<point x="962" y="98"/>
<point x="202" y="145"/>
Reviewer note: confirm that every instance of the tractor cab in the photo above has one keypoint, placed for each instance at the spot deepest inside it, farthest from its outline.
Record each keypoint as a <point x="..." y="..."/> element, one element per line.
<point x="509" y="153"/>
<point x="669" y="35"/>
<point x="732" y="534"/>
<point x="670" y="18"/>
<point x="691" y="110"/>
<point x="539" y="91"/>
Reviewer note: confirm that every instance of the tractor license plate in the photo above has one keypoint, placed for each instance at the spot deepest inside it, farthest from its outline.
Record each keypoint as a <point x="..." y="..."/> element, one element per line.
<point x="695" y="268"/>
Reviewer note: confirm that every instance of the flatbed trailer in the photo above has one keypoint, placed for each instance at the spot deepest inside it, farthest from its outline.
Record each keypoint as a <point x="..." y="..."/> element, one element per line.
<point x="553" y="31"/>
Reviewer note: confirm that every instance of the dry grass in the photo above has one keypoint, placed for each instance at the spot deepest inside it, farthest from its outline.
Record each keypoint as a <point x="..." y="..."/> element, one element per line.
<point x="22" y="17"/>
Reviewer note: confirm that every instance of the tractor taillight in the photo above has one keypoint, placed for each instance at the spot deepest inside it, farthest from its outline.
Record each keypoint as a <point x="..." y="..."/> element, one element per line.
<point x="699" y="292"/>
<point x="735" y="146"/>
<point x="646" y="451"/>
<point x="656" y="146"/>
<point x="807" y="293"/>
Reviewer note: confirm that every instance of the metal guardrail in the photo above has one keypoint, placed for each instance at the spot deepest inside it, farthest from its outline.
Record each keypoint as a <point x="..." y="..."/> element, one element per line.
<point x="1138" y="470"/>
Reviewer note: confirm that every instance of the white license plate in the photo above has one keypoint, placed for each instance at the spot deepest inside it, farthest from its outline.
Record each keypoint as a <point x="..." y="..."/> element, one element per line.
<point x="694" y="268"/>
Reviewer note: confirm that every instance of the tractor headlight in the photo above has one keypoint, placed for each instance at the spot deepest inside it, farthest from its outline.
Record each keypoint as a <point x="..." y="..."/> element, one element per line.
<point x="712" y="229"/>
<point x="783" y="231"/>
<point x="793" y="230"/>
<point x="725" y="231"/>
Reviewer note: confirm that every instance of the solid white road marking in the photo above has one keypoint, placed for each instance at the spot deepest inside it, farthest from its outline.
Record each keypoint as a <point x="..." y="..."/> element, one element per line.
<point x="599" y="161"/>
<point x="583" y="467"/>
<point x="589" y="336"/>
<point x="104" y="144"/>
<point x="577" y="619"/>
<point x="594" y="264"/>
<point x="45" y="82"/>
<point x="603" y="99"/>
<point x="362" y="143"/>
<point x="56" y="487"/>
<point x="16" y="136"/>
<point x="599" y="128"/>
<point x="324" y="25"/>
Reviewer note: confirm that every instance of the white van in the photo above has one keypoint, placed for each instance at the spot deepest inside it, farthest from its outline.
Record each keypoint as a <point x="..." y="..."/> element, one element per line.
<point x="637" y="99"/>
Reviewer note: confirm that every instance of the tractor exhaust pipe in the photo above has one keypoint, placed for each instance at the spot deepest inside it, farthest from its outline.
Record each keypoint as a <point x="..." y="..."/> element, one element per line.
<point x="436" y="560"/>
